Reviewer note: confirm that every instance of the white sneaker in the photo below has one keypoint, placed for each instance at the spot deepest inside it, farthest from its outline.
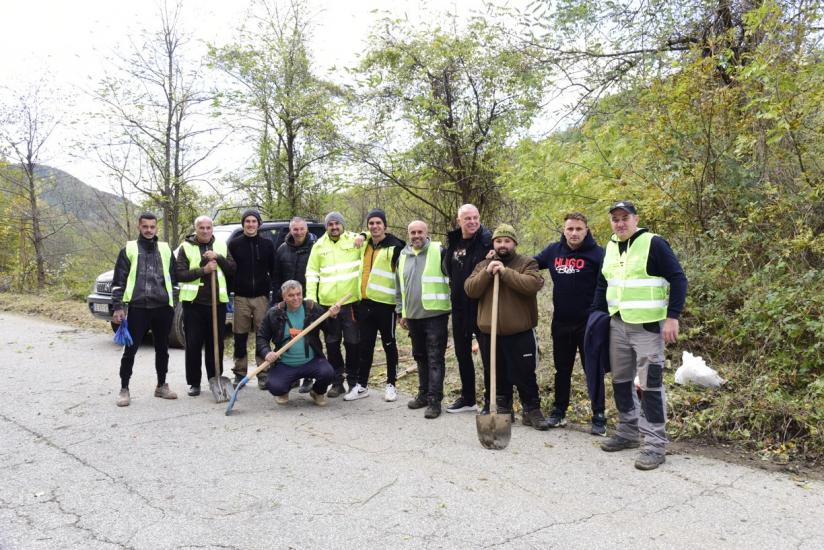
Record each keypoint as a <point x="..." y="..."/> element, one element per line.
<point x="356" y="392"/>
<point x="391" y="393"/>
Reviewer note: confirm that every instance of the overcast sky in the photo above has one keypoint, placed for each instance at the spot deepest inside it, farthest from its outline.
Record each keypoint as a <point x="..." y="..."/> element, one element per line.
<point x="67" y="43"/>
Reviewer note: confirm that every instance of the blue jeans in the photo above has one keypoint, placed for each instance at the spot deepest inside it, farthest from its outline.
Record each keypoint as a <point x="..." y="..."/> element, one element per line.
<point x="281" y="376"/>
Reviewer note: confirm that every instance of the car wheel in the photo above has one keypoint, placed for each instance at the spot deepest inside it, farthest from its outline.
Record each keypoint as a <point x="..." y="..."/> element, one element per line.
<point x="177" y="337"/>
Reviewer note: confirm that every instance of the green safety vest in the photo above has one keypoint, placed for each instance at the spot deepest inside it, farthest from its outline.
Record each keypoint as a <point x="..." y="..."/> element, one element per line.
<point x="640" y="297"/>
<point x="188" y="290"/>
<point x="334" y="269"/>
<point x="133" y="253"/>
<point x="434" y="284"/>
<point x="380" y="286"/>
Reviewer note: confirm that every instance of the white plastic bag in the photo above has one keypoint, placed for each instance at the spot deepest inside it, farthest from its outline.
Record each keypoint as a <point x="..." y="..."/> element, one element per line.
<point x="694" y="369"/>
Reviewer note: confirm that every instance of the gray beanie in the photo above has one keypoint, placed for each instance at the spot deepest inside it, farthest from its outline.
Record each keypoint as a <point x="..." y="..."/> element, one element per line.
<point x="333" y="217"/>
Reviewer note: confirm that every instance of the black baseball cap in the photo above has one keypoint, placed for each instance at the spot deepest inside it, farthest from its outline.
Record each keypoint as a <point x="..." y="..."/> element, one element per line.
<point x="623" y="205"/>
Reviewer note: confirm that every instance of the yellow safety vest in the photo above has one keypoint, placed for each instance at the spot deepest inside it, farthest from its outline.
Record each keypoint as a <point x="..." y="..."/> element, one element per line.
<point x="380" y="286"/>
<point x="188" y="290"/>
<point x="133" y="253"/>
<point x="434" y="284"/>
<point x="640" y="297"/>
<point x="333" y="269"/>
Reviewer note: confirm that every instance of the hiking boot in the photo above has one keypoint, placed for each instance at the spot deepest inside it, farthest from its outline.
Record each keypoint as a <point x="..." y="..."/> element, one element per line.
<point x="535" y="418"/>
<point x="261" y="382"/>
<point x="618" y="443"/>
<point x="336" y="390"/>
<point x="318" y="398"/>
<point x="357" y="392"/>
<point x="164" y="392"/>
<point x="123" y="398"/>
<point x="306" y="385"/>
<point x="391" y="394"/>
<point x="432" y="411"/>
<point x="462" y="405"/>
<point x="282" y="399"/>
<point x="418" y="403"/>
<point x="599" y="425"/>
<point x="649" y="460"/>
<point x="556" y="419"/>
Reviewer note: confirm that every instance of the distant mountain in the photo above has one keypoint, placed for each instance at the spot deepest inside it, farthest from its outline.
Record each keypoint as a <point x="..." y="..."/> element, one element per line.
<point x="62" y="191"/>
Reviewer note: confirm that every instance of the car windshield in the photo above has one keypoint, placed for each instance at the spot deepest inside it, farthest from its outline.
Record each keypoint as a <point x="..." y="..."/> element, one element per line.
<point x="223" y="234"/>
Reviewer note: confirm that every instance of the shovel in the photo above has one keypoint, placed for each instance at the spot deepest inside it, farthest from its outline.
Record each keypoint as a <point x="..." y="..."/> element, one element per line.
<point x="494" y="430"/>
<point x="220" y="385"/>
<point x="280" y="352"/>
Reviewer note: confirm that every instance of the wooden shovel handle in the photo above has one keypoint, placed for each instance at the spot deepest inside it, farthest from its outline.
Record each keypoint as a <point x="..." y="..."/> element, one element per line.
<point x="216" y="348"/>
<point x="294" y="340"/>
<point x="493" y="349"/>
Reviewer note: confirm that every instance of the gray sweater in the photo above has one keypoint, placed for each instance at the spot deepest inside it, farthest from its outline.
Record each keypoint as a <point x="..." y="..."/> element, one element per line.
<point x="412" y="274"/>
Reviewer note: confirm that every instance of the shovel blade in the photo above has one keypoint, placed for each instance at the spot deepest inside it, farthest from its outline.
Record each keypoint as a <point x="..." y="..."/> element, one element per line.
<point x="233" y="399"/>
<point x="494" y="430"/>
<point x="220" y="388"/>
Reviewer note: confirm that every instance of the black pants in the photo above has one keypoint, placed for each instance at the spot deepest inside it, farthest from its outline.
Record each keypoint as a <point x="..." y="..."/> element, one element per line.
<point x="159" y="321"/>
<point x="281" y="376"/>
<point x="343" y="327"/>
<point x="517" y="360"/>
<point x="462" y="331"/>
<point x="429" y="338"/>
<point x="374" y="317"/>
<point x="567" y="340"/>
<point x="197" y="323"/>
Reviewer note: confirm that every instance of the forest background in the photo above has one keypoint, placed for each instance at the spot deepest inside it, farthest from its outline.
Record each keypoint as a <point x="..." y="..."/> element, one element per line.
<point x="706" y="114"/>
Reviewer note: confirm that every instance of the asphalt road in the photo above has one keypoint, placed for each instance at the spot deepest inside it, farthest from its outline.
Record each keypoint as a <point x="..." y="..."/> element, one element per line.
<point x="79" y="472"/>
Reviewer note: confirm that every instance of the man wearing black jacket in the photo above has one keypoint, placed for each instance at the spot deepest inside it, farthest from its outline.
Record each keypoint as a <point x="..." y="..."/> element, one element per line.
<point x="255" y="259"/>
<point x="376" y="310"/>
<point x="291" y="258"/>
<point x="466" y="246"/>
<point x="143" y="280"/>
<point x="574" y="263"/>
<point x="643" y="288"/>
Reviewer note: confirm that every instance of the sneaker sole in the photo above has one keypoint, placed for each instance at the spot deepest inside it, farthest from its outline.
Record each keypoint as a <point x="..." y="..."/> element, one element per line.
<point x="355" y="397"/>
<point x="648" y="467"/>
<point x="473" y="408"/>
<point x="631" y="445"/>
<point x="390" y="399"/>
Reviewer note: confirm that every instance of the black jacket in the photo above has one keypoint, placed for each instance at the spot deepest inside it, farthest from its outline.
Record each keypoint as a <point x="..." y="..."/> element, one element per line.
<point x="660" y="263"/>
<point x="184" y="274"/>
<point x="389" y="240"/>
<point x="290" y="263"/>
<point x="275" y="322"/>
<point x="255" y="259"/>
<point x="465" y="260"/>
<point x="574" y="276"/>
<point x="150" y="285"/>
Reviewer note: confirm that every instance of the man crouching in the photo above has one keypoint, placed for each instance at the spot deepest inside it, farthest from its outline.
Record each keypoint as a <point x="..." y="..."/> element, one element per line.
<point x="305" y="359"/>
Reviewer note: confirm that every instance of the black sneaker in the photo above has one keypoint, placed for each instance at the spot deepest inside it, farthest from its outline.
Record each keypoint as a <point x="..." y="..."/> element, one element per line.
<point x="599" y="425"/>
<point x="617" y="443"/>
<point x="194" y="391"/>
<point x="306" y="385"/>
<point x="462" y="405"/>
<point x="649" y="460"/>
<point x="432" y="411"/>
<point x="418" y="403"/>
<point x="336" y="390"/>
<point x="556" y="419"/>
<point x="535" y="418"/>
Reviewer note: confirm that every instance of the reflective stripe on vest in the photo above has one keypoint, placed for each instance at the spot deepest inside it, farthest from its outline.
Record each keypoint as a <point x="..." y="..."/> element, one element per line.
<point x="188" y="289"/>
<point x="638" y="296"/>
<point x="133" y="253"/>
<point x="380" y="286"/>
<point x="434" y="284"/>
<point x="333" y="270"/>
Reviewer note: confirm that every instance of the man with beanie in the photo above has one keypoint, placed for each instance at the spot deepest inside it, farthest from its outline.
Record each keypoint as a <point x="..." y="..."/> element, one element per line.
<point x="574" y="263"/>
<point x="466" y="246"/>
<point x="333" y="271"/>
<point x="517" y="348"/>
<point x="643" y="288"/>
<point x="291" y="258"/>
<point x="376" y="311"/>
<point x="199" y="256"/>
<point x="422" y="299"/>
<point x="255" y="259"/>
<point x="143" y="280"/>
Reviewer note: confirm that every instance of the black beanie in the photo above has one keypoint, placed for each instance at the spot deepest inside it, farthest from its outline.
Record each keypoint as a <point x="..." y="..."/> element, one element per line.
<point x="248" y="213"/>
<point x="376" y="213"/>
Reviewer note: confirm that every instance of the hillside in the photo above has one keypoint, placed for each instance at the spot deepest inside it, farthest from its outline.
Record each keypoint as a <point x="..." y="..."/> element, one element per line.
<point x="68" y="194"/>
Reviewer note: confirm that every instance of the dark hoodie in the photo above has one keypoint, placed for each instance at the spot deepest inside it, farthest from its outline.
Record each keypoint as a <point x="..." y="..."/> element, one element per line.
<point x="459" y="260"/>
<point x="255" y="258"/>
<point x="184" y="274"/>
<point x="290" y="263"/>
<point x="574" y="277"/>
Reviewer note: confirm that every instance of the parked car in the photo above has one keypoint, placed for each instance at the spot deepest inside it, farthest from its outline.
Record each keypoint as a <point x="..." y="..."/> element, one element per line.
<point x="100" y="300"/>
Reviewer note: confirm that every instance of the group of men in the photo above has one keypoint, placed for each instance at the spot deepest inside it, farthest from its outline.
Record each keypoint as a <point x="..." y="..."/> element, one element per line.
<point x="631" y="294"/>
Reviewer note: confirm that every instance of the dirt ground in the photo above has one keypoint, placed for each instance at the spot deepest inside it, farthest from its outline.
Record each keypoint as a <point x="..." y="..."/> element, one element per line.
<point x="76" y="313"/>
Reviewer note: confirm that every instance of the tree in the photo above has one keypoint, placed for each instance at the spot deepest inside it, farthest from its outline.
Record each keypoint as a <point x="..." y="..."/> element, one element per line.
<point x="443" y="105"/>
<point x="290" y="111"/>
<point x="25" y="128"/>
<point x="155" y="103"/>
